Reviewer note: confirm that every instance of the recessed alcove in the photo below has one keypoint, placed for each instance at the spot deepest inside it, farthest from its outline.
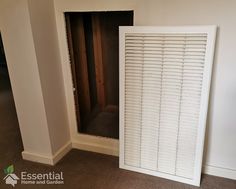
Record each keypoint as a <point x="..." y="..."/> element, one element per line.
<point x="93" y="41"/>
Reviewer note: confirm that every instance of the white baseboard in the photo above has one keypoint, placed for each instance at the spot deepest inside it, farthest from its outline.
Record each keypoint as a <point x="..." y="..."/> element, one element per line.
<point x="110" y="147"/>
<point x="96" y="144"/>
<point x="37" y="158"/>
<point x="62" y="152"/>
<point x="47" y="159"/>
<point x="219" y="171"/>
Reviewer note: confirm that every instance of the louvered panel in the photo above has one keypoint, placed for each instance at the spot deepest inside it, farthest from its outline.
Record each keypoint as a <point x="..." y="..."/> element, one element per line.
<point x="164" y="86"/>
<point x="133" y="93"/>
<point x="150" y="112"/>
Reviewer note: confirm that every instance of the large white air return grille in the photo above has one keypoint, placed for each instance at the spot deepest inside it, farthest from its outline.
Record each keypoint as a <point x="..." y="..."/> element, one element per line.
<point x="164" y="87"/>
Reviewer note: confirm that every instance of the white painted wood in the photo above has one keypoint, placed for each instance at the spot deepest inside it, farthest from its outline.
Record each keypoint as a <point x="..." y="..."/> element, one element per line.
<point x="47" y="159"/>
<point x="61" y="152"/>
<point x="35" y="157"/>
<point x="80" y="141"/>
<point x="165" y="75"/>
<point x="220" y="171"/>
<point x="97" y="144"/>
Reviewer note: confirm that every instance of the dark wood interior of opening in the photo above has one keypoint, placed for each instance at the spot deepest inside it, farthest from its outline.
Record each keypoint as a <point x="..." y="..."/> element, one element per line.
<point x="93" y="39"/>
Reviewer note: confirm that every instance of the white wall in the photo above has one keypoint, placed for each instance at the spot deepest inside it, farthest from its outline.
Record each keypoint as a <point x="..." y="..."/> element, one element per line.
<point x="44" y="31"/>
<point x="30" y="41"/>
<point x="25" y="80"/>
<point x="220" y="151"/>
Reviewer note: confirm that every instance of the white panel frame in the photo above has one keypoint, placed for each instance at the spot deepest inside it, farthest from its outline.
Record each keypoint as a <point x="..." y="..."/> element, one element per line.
<point x="211" y="35"/>
<point x="82" y="141"/>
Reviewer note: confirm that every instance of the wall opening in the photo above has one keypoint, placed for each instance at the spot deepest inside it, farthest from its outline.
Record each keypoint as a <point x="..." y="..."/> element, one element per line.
<point x="93" y="40"/>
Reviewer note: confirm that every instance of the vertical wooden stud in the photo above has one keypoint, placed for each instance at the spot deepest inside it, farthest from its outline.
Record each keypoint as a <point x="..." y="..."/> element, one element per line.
<point x="83" y="82"/>
<point x="99" y="68"/>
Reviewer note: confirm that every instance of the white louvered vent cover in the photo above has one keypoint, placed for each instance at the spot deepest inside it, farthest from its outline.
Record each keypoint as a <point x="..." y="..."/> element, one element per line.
<point x="165" y="77"/>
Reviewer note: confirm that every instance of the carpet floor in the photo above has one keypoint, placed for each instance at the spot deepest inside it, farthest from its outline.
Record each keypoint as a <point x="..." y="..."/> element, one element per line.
<point x="82" y="170"/>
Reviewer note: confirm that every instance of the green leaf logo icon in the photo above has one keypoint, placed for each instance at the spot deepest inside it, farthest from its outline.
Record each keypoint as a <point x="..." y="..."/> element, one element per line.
<point x="9" y="169"/>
